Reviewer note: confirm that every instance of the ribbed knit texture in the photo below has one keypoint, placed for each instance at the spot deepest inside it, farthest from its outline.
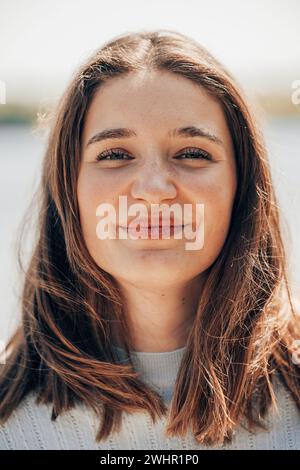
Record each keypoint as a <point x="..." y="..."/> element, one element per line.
<point x="30" y="426"/>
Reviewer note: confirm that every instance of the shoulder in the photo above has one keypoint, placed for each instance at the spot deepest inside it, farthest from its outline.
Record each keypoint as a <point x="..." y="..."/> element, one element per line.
<point x="30" y="427"/>
<point x="282" y="421"/>
<point x="18" y="427"/>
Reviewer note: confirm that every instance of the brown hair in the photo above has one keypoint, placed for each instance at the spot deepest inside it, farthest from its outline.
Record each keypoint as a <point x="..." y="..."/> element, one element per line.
<point x="245" y="322"/>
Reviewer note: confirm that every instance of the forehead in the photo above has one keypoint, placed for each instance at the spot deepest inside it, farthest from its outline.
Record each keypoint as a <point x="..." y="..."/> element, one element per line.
<point x="153" y="103"/>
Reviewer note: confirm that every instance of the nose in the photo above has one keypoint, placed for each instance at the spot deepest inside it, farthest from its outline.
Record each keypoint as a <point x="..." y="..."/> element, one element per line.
<point x="153" y="183"/>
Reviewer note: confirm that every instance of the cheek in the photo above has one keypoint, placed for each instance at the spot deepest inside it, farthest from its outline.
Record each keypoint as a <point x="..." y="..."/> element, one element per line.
<point x="90" y="193"/>
<point x="94" y="188"/>
<point x="217" y="195"/>
<point x="88" y="186"/>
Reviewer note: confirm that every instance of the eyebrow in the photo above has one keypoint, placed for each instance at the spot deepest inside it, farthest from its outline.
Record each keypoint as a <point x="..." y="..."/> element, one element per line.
<point x="123" y="132"/>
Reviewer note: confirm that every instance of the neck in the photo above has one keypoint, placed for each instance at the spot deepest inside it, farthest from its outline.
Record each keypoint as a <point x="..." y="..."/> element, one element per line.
<point x="160" y="318"/>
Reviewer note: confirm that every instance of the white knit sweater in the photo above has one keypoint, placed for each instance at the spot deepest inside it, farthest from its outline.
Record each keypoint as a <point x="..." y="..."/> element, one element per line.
<point x="30" y="426"/>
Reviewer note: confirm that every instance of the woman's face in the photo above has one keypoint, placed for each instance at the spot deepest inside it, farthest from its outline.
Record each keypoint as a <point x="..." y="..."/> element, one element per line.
<point x="152" y="166"/>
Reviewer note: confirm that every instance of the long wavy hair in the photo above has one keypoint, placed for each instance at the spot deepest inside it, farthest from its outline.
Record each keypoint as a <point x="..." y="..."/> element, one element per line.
<point x="245" y="323"/>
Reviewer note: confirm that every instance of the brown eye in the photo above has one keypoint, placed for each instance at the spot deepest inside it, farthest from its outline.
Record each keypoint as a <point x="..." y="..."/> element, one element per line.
<point x="113" y="154"/>
<point x="193" y="153"/>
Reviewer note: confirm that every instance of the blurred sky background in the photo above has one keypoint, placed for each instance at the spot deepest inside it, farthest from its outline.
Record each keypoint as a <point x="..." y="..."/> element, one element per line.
<point x="43" y="42"/>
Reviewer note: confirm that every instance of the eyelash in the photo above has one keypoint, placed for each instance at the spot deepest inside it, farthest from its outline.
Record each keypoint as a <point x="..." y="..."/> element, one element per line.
<point x="189" y="151"/>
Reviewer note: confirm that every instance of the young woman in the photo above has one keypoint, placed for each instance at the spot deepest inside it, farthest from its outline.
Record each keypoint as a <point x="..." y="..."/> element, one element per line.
<point x="139" y="342"/>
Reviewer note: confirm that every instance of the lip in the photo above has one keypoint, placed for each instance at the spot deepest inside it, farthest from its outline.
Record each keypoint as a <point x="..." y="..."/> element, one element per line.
<point x="157" y="232"/>
<point x="144" y="227"/>
<point x="144" y="223"/>
<point x="161" y="225"/>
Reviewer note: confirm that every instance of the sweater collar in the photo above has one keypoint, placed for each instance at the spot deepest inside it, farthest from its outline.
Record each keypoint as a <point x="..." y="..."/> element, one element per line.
<point x="157" y="369"/>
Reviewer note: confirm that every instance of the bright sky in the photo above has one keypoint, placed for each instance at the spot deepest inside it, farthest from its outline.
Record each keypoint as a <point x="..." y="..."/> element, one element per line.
<point x="42" y="42"/>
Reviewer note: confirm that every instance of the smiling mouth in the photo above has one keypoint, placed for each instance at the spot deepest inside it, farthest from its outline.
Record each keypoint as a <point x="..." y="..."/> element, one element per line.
<point x="165" y="226"/>
<point x="144" y="227"/>
<point x="155" y="232"/>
